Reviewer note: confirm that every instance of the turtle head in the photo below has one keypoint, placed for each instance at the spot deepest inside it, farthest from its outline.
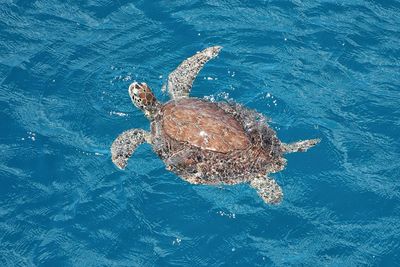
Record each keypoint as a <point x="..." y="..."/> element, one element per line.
<point x="143" y="98"/>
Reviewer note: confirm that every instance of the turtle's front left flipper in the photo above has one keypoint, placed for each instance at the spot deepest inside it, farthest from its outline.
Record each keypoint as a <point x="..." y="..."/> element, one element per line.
<point x="268" y="189"/>
<point x="181" y="79"/>
<point x="125" y="144"/>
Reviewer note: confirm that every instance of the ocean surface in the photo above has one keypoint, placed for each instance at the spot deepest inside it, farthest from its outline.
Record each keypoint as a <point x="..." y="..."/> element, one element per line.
<point x="323" y="69"/>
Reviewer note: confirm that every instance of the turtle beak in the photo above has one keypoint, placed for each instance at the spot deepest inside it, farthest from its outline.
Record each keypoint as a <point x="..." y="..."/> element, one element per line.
<point x="133" y="91"/>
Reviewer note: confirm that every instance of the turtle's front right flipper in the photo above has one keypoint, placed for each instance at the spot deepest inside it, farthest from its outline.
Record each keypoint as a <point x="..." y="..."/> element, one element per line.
<point x="125" y="144"/>
<point x="181" y="79"/>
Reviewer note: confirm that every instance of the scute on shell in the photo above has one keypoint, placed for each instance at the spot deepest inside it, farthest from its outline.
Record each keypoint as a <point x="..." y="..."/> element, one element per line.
<point x="204" y="125"/>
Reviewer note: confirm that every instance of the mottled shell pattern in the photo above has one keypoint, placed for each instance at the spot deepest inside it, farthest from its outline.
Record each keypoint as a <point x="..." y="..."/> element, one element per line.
<point x="204" y="125"/>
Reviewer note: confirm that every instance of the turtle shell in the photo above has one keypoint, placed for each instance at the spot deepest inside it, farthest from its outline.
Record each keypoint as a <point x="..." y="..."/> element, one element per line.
<point x="203" y="124"/>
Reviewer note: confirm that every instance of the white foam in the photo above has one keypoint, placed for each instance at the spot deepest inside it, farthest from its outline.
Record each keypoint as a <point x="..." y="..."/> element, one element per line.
<point x="121" y="114"/>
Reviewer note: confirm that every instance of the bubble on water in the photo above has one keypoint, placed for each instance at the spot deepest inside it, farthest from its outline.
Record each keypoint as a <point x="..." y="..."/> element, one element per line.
<point x="32" y="136"/>
<point x="127" y="78"/>
<point x="224" y="95"/>
<point x="210" y="98"/>
<point x="121" y="114"/>
<point x="227" y="214"/>
<point x="177" y="241"/>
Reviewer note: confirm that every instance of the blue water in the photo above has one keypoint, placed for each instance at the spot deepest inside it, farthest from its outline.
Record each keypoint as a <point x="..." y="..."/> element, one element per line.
<point x="327" y="70"/>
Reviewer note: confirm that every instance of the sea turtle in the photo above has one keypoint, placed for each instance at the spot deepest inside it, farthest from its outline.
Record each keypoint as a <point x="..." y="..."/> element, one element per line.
<point x="207" y="142"/>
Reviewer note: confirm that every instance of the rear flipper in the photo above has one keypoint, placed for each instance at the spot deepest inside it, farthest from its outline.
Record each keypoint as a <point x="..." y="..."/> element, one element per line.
<point x="268" y="189"/>
<point x="123" y="147"/>
<point x="301" y="146"/>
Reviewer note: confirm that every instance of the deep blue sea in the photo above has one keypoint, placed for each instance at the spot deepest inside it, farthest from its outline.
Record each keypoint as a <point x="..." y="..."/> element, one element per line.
<point x="318" y="69"/>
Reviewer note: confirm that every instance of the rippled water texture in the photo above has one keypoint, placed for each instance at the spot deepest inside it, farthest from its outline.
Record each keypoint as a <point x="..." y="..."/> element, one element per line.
<point x="323" y="70"/>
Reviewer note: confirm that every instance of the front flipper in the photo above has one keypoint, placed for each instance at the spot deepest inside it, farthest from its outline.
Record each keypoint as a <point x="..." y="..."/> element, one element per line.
<point x="181" y="79"/>
<point x="268" y="189"/>
<point x="125" y="144"/>
<point x="301" y="146"/>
